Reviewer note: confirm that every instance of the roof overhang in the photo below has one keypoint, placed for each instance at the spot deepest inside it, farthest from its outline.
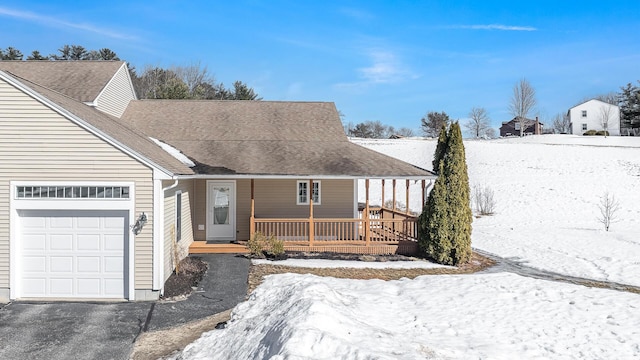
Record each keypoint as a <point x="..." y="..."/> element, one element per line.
<point x="299" y="177"/>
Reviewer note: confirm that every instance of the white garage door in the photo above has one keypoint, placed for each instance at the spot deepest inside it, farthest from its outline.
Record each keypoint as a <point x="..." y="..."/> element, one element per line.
<point x="73" y="254"/>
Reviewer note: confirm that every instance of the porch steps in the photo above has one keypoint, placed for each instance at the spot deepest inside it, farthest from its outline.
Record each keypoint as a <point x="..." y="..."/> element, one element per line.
<point x="201" y="247"/>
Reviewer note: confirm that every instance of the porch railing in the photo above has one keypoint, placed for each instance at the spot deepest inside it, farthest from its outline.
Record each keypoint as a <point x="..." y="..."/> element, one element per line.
<point x="380" y="226"/>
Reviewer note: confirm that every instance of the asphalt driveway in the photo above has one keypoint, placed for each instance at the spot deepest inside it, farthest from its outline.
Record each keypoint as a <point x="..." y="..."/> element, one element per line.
<point x="35" y="330"/>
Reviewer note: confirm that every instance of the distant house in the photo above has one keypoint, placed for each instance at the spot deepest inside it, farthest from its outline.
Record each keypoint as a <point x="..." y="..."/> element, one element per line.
<point x="589" y="115"/>
<point x="512" y="127"/>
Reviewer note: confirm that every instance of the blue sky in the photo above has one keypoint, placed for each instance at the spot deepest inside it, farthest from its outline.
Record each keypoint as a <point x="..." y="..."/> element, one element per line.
<point x="391" y="61"/>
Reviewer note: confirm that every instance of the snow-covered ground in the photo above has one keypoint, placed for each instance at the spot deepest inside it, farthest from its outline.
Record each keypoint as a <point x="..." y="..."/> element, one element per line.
<point x="489" y="316"/>
<point x="547" y="189"/>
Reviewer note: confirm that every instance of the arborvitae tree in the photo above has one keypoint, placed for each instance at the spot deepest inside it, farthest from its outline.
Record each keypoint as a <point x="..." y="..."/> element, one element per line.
<point x="445" y="223"/>
<point x="460" y="215"/>
<point x="441" y="148"/>
<point x="434" y="227"/>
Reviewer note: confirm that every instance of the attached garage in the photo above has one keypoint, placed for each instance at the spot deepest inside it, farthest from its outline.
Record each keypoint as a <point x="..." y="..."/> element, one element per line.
<point x="73" y="254"/>
<point x="72" y="241"/>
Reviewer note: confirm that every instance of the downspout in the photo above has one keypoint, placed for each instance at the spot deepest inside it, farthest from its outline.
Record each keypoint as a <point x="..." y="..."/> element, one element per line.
<point x="170" y="186"/>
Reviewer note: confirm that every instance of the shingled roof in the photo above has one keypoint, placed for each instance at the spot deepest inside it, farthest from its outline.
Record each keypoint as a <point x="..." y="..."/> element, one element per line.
<point x="80" y="80"/>
<point x="111" y="127"/>
<point x="262" y="138"/>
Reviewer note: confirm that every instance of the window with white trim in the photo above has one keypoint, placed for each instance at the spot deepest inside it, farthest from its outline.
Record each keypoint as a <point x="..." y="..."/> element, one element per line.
<point x="302" y="197"/>
<point x="72" y="192"/>
<point x="178" y="215"/>
<point x="584" y="113"/>
<point x="584" y="127"/>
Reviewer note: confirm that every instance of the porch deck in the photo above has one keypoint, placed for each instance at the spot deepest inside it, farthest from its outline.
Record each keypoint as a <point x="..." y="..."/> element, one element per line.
<point x="376" y="231"/>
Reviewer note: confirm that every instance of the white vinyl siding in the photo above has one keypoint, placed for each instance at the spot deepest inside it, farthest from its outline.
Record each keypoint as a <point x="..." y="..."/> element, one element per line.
<point x="588" y="116"/>
<point x="182" y="246"/>
<point x="38" y="144"/>
<point x="115" y="97"/>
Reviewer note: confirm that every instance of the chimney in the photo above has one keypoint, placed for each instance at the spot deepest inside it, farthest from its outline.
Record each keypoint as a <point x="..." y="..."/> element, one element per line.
<point x="537" y="129"/>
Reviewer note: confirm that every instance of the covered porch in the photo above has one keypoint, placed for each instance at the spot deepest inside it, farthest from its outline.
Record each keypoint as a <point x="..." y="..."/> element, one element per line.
<point x="382" y="228"/>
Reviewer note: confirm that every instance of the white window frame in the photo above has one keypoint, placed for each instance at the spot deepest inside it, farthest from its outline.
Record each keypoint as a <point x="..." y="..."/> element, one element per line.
<point x="584" y="126"/>
<point x="516" y="125"/>
<point x="583" y="113"/>
<point x="306" y="202"/>
<point x="178" y="214"/>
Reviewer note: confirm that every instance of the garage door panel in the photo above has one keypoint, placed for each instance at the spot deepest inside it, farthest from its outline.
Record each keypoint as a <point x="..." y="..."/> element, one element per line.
<point x="60" y="242"/>
<point x="78" y="255"/>
<point x="36" y="264"/>
<point x="34" y="287"/>
<point x="89" y="242"/>
<point x="113" y="264"/>
<point x="89" y="264"/>
<point x="60" y="264"/>
<point x="34" y="242"/>
<point x="89" y="287"/>
<point x="113" y="287"/>
<point x="88" y="222"/>
<point x="113" y="242"/>
<point x="60" y="222"/>
<point x="62" y="287"/>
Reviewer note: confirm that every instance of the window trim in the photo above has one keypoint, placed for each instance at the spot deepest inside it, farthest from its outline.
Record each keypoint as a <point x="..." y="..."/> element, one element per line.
<point x="178" y="214"/>
<point x="45" y="191"/>
<point x="584" y="126"/>
<point x="306" y="202"/>
<point x="583" y="113"/>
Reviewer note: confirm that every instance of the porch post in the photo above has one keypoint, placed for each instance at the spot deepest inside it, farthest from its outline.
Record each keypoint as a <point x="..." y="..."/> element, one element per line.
<point x="423" y="190"/>
<point x="252" y="219"/>
<point x="408" y="183"/>
<point x="393" y="207"/>
<point x="311" y="223"/>
<point x="382" y="205"/>
<point x="367" y="236"/>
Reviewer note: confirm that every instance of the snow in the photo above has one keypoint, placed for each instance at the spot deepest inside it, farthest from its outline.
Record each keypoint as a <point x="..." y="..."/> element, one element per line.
<point x="488" y="316"/>
<point x="547" y="189"/>
<point x="174" y="152"/>
<point x="321" y="263"/>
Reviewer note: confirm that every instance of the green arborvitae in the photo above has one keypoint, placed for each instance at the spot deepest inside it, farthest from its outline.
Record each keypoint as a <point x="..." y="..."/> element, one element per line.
<point x="434" y="239"/>
<point x="441" y="148"/>
<point x="445" y="223"/>
<point x="457" y="179"/>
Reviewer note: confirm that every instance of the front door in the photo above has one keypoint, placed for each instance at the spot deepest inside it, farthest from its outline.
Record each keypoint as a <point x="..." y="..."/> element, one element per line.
<point x="221" y="210"/>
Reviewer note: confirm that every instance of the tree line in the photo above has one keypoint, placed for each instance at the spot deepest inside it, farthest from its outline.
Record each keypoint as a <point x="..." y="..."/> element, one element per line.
<point x="177" y="82"/>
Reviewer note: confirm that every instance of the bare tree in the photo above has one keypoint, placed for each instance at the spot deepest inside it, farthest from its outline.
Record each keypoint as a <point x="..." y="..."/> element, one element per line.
<point x="561" y="123"/>
<point x="606" y="111"/>
<point x="490" y="133"/>
<point x="485" y="202"/>
<point x="523" y="100"/>
<point x="433" y="121"/>
<point x="609" y="207"/>
<point x="405" y="131"/>
<point x="478" y="122"/>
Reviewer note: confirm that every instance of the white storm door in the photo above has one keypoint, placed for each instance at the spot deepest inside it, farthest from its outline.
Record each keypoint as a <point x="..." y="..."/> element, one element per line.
<point x="73" y="254"/>
<point x="221" y="210"/>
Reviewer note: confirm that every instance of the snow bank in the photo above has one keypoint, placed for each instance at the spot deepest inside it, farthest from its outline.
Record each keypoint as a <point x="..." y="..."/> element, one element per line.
<point x="491" y="316"/>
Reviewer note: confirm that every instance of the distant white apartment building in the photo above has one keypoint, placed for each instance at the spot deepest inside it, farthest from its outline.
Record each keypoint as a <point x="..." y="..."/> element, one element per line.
<point x="595" y="115"/>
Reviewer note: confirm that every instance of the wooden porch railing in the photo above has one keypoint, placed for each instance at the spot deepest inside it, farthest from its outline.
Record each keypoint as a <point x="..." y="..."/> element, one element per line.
<point x="379" y="227"/>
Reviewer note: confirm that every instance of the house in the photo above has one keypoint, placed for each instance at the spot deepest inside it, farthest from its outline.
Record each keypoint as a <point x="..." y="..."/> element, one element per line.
<point x="101" y="194"/>
<point x="594" y="115"/>
<point x="512" y="127"/>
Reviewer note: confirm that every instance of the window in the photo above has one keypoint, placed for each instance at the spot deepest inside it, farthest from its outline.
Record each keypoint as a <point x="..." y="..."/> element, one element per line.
<point x="516" y="126"/>
<point x="584" y="114"/>
<point x="302" y="195"/>
<point x="72" y="192"/>
<point x="584" y="127"/>
<point x="178" y="215"/>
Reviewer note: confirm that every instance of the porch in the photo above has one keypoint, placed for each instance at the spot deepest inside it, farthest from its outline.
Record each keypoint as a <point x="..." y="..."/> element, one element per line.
<point x="376" y="230"/>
